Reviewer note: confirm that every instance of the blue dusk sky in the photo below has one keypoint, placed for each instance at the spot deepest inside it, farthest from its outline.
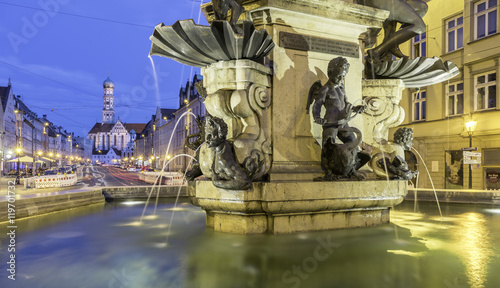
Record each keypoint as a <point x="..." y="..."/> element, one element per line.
<point x="59" y="52"/>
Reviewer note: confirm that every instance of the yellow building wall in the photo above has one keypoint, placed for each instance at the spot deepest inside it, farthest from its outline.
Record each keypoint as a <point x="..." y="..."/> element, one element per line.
<point x="440" y="133"/>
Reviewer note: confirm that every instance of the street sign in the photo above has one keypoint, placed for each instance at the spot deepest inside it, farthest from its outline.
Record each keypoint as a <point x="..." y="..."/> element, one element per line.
<point x="469" y="149"/>
<point x="472" y="157"/>
<point x="472" y="154"/>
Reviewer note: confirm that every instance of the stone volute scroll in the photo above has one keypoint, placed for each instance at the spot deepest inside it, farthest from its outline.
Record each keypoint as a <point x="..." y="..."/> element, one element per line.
<point x="238" y="92"/>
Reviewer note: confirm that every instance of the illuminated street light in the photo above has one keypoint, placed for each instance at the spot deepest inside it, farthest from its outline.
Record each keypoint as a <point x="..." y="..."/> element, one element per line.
<point x="18" y="150"/>
<point x="470" y="127"/>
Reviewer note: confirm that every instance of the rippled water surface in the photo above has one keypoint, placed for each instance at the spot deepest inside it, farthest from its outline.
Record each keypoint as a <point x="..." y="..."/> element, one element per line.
<point x="106" y="246"/>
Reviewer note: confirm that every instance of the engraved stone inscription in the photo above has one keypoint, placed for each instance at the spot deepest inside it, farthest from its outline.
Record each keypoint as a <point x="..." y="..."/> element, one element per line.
<point x="317" y="44"/>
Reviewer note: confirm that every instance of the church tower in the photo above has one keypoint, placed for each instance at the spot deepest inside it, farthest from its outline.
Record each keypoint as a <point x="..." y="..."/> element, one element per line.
<point x="108" y="106"/>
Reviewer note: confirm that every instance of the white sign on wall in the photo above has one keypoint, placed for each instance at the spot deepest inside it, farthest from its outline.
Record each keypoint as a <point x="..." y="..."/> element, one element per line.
<point x="435" y="166"/>
<point x="472" y="157"/>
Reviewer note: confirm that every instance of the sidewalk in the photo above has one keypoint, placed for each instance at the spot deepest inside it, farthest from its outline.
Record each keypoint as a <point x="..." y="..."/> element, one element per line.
<point x="22" y="192"/>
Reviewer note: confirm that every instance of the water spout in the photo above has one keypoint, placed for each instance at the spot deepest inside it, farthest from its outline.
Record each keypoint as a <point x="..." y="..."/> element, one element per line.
<point x="160" y="176"/>
<point x="157" y="88"/>
<point x="432" y="183"/>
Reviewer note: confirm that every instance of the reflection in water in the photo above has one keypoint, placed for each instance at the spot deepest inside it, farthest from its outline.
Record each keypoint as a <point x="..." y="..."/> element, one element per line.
<point x="474" y="247"/>
<point x="465" y="235"/>
<point x="102" y="247"/>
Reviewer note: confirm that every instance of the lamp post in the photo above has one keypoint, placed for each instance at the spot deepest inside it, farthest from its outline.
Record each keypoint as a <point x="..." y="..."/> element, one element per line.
<point x="38" y="158"/>
<point x="470" y="127"/>
<point x="18" y="151"/>
<point x="33" y="146"/>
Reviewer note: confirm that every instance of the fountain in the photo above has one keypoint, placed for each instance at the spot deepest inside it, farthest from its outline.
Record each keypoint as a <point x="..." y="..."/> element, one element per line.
<point x="262" y="154"/>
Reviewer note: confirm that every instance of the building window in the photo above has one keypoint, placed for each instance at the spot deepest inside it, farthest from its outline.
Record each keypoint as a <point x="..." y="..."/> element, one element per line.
<point x="485" y="90"/>
<point x="485" y="18"/>
<point x="419" y="105"/>
<point x="454" y="34"/>
<point x="419" y="44"/>
<point x="455" y="99"/>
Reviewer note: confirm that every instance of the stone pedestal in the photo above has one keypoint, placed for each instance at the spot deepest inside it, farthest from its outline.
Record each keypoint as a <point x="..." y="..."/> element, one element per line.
<point x="288" y="207"/>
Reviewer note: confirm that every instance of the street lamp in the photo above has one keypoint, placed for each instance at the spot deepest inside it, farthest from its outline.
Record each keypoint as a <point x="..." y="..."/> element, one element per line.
<point x="18" y="151"/>
<point x="470" y="127"/>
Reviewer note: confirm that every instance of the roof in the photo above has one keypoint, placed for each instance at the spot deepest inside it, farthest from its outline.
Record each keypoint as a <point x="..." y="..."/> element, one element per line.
<point x="96" y="152"/>
<point x="117" y="152"/>
<point x="108" y="83"/>
<point x="99" y="127"/>
<point x="167" y="113"/>
<point x="137" y="127"/>
<point x="52" y="133"/>
<point x="21" y="106"/>
<point x="4" y="95"/>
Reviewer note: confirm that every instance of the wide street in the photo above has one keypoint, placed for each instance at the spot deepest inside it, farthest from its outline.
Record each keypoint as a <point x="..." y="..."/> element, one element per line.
<point x="109" y="176"/>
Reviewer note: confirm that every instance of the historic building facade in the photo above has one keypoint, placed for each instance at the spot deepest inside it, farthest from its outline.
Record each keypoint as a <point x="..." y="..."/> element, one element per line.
<point x="23" y="133"/>
<point x="8" y="126"/>
<point x="112" y="139"/>
<point x="168" y="130"/>
<point x="466" y="33"/>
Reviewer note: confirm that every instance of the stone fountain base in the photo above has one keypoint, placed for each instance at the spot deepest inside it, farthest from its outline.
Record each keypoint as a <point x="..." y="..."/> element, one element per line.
<point x="290" y="207"/>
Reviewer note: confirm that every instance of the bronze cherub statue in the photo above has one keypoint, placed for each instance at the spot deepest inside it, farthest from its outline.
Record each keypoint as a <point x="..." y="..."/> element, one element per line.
<point x="391" y="163"/>
<point x="337" y="160"/>
<point x="226" y="172"/>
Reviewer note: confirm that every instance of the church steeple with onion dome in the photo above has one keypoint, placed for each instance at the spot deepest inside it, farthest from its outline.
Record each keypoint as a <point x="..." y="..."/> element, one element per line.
<point x="108" y="106"/>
